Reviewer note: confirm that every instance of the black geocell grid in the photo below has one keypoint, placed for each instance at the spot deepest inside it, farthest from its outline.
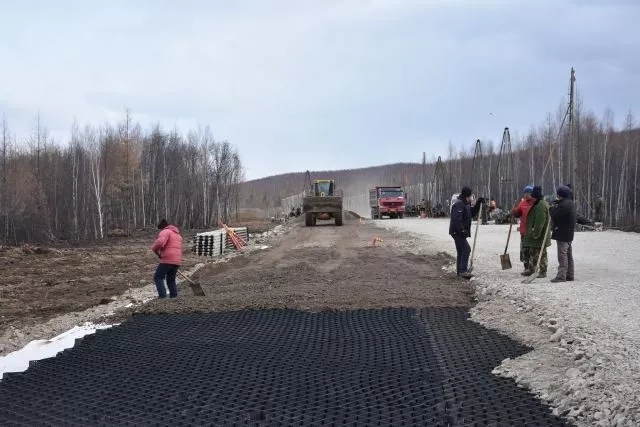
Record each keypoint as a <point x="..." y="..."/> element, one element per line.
<point x="401" y="367"/>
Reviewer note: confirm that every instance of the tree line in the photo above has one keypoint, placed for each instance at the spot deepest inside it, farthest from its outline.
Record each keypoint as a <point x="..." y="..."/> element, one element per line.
<point x="606" y="167"/>
<point x="113" y="179"/>
<point x="606" y="164"/>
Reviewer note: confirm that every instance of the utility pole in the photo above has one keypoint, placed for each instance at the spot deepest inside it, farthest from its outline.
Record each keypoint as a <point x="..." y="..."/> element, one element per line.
<point x="439" y="186"/>
<point x="477" y="174"/>
<point x="573" y="174"/>
<point x="423" y="193"/>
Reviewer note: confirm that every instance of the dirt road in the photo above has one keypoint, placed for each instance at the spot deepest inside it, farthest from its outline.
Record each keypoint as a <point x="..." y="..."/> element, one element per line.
<point x="326" y="268"/>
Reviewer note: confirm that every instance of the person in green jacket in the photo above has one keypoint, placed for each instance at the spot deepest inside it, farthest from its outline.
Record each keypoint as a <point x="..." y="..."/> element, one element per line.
<point x="537" y="235"/>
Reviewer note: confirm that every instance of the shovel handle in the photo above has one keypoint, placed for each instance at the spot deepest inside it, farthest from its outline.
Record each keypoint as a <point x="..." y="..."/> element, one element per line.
<point x="475" y="236"/>
<point x="183" y="275"/>
<point x="508" y="237"/>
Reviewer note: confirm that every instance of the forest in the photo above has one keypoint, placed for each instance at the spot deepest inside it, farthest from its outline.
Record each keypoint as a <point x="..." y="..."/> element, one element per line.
<point x="113" y="179"/>
<point x="604" y="161"/>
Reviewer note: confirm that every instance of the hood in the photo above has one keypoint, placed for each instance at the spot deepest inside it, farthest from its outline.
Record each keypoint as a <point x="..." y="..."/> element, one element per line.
<point x="172" y="228"/>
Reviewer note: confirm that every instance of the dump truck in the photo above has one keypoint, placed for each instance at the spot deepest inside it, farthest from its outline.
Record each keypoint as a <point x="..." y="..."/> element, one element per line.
<point x="322" y="202"/>
<point x="387" y="201"/>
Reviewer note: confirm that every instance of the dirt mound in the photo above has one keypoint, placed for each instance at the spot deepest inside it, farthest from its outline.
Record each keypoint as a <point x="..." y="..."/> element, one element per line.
<point x="351" y="215"/>
<point x="16" y="251"/>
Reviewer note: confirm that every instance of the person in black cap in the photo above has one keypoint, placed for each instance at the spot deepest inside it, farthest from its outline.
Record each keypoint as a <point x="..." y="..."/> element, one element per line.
<point x="537" y="238"/>
<point x="563" y="215"/>
<point x="460" y="228"/>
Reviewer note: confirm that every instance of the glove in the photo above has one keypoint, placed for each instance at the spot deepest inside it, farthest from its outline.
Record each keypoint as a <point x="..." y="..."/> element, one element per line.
<point x="481" y="200"/>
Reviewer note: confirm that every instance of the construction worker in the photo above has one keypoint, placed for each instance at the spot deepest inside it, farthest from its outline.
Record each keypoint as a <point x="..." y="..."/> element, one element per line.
<point x="168" y="247"/>
<point x="521" y="210"/>
<point x="563" y="215"/>
<point x="537" y="237"/>
<point x="460" y="229"/>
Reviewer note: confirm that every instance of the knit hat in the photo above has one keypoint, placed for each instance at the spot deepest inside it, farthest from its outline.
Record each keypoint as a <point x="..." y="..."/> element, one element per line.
<point x="564" y="192"/>
<point x="536" y="192"/>
<point x="465" y="192"/>
<point x="527" y="189"/>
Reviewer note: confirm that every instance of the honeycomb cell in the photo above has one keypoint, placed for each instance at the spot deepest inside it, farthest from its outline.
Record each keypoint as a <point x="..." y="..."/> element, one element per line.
<point x="399" y="366"/>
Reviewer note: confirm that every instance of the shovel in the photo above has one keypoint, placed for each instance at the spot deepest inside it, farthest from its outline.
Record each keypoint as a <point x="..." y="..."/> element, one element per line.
<point x="475" y="236"/>
<point x="505" y="260"/>
<point x="195" y="286"/>
<point x="544" y="242"/>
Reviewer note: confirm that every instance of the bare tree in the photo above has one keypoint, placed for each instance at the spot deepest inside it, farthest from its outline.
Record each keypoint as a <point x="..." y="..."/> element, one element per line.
<point x="4" y="208"/>
<point x="75" y="152"/>
<point x="95" y="149"/>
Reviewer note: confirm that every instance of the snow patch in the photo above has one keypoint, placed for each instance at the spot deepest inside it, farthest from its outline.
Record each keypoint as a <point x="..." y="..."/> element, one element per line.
<point x="18" y="361"/>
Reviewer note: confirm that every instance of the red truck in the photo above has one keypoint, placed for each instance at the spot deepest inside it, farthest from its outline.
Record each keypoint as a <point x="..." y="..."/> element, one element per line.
<point x="387" y="201"/>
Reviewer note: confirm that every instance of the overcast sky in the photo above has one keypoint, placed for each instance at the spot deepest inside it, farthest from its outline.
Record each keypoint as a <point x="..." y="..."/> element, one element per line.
<point x="308" y="84"/>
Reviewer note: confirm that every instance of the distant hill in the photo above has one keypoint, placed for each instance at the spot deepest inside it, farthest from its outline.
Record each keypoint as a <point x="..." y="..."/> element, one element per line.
<point x="607" y="169"/>
<point x="266" y="193"/>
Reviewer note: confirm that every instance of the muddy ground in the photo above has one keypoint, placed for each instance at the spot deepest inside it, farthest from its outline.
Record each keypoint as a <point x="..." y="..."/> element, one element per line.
<point x="319" y="268"/>
<point x="325" y="268"/>
<point x="39" y="283"/>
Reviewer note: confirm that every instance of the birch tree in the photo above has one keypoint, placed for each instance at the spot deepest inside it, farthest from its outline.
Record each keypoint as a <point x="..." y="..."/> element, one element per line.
<point x="95" y="150"/>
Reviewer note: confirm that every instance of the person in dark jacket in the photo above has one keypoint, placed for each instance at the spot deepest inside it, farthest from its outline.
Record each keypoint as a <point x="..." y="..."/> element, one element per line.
<point x="564" y="217"/>
<point x="460" y="228"/>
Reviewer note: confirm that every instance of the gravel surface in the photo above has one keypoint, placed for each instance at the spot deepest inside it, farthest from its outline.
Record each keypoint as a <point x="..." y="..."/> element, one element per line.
<point x="585" y="335"/>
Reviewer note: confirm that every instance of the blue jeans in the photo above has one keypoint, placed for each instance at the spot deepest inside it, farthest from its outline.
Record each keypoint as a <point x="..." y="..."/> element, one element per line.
<point x="463" y="251"/>
<point x="169" y="272"/>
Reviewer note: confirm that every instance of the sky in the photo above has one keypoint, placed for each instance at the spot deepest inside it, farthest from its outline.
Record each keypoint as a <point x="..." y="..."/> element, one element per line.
<point x="318" y="85"/>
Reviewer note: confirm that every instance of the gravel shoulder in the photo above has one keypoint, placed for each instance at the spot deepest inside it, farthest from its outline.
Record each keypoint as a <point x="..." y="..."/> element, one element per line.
<point x="585" y="335"/>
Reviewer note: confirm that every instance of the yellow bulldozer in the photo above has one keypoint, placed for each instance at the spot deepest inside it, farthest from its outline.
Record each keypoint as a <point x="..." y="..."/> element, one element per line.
<point x="322" y="202"/>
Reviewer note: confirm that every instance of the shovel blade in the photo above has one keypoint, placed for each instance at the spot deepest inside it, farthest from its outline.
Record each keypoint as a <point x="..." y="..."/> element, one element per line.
<point x="505" y="261"/>
<point x="531" y="278"/>
<point x="196" y="289"/>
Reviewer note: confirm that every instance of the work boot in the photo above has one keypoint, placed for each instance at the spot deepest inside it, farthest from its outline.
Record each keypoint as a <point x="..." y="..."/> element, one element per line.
<point x="466" y="275"/>
<point x="569" y="279"/>
<point x="542" y="275"/>
<point x="526" y="273"/>
<point x="557" y="280"/>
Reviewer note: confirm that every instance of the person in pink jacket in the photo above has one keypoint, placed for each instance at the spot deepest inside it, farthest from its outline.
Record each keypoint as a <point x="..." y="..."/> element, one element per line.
<point x="168" y="247"/>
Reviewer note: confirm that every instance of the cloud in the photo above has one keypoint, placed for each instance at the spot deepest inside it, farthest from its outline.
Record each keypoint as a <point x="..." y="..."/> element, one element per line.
<point x="317" y="85"/>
